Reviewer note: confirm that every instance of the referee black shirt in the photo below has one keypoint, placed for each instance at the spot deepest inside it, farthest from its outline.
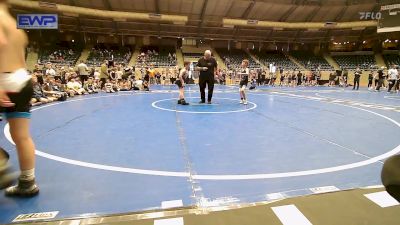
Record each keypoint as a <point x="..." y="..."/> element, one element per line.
<point x="211" y="64"/>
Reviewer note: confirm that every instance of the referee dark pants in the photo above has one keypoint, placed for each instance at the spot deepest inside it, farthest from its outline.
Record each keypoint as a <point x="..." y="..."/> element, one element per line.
<point x="380" y="82"/>
<point x="209" y="81"/>
<point x="392" y="83"/>
<point x="356" y="82"/>
<point x="83" y="78"/>
<point x="102" y="81"/>
<point x="259" y="81"/>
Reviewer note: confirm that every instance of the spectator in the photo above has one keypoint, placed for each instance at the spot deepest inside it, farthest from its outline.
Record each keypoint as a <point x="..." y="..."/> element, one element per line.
<point x="115" y="85"/>
<point x="125" y="85"/>
<point x="128" y="72"/>
<point x="381" y="78"/>
<point x="39" y="74"/>
<point x="92" y="70"/>
<point x="108" y="86"/>
<point x="392" y="77"/>
<point x="370" y="78"/>
<point x="119" y="73"/>
<point x="52" y="91"/>
<point x="136" y="85"/>
<point x="104" y="73"/>
<point x="113" y="74"/>
<point x="38" y="95"/>
<point x="83" y="71"/>
<point x="346" y="77"/>
<point x="146" y="86"/>
<point x="332" y="79"/>
<point x="60" y="74"/>
<point x="96" y="74"/>
<point x="50" y="71"/>
<point x="90" y="87"/>
<point x="75" y="87"/>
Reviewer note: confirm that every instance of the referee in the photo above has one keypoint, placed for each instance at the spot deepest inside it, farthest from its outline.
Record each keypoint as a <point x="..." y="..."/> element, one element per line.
<point x="207" y="66"/>
<point x="357" y="76"/>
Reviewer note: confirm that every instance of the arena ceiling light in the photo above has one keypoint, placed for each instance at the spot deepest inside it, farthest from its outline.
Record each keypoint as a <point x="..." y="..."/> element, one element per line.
<point x="299" y="25"/>
<point x="47" y="5"/>
<point x="120" y="20"/>
<point x="71" y="14"/>
<point x="179" y="22"/>
<point x="228" y="26"/>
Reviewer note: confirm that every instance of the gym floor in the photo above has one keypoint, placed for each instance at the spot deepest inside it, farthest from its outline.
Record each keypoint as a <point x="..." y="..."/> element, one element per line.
<point x="133" y="151"/>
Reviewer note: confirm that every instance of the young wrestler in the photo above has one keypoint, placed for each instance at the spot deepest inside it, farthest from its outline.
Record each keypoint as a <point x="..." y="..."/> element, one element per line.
<point x="15" y="93"/>
<point x="244" y="73"/>
<point x="181" y="83"/>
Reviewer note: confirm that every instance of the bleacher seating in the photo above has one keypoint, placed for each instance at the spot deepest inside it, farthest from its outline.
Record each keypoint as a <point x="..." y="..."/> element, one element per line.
<point x="280" y="60"/>
<point x="59" y="55"/>
<point x="391" y="59"/>
<point x="233" y="58"/>
<point x="101" y="52"/>
<point x="157" y="57"/>
<point x="311" y="61"/>
<point x="351" y="62"/>
<point x="192" y="55"/>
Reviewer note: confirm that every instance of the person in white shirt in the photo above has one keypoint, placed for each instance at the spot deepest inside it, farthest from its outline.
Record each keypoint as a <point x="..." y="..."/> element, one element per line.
<point x="137" y="85"/>
<point x="393" y="76"/>
<point x="119" y="73"/>
<point x="76" y="87"/>
<point x="97" y="75"/>
<point x="272" y="72"/>
<point x="50" y="71"/>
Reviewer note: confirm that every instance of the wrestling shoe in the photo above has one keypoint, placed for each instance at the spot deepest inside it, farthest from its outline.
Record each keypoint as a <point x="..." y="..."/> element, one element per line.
<point x="183" y="102"/>
<point x="24" y="188"/>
